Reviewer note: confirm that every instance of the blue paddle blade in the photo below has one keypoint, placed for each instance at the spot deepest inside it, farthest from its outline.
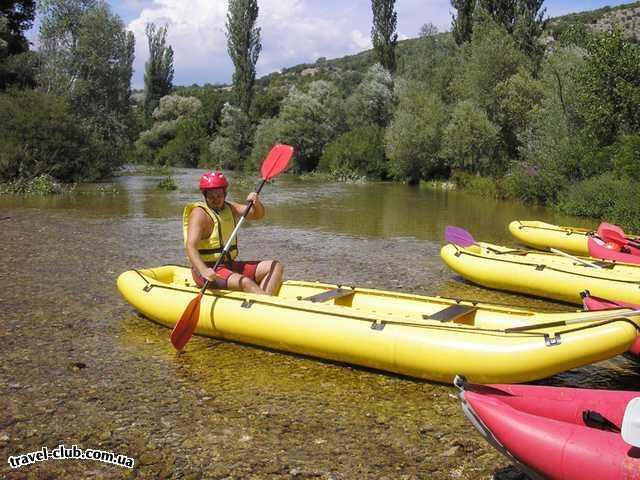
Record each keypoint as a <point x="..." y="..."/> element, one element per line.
<point x="458" y="236"/>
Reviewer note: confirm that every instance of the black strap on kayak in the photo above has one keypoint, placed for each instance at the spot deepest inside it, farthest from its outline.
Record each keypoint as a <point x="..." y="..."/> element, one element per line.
<point x="593" y="419"/>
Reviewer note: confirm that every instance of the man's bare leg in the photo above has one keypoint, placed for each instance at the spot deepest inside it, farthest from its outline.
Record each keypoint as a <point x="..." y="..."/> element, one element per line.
<point x="243" y="284"/>
<point x="269" y="275"/>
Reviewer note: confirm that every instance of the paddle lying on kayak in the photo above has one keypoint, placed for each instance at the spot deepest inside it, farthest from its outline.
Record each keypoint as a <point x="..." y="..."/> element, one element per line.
<point x="276" y="162"/>
<point x="459" y="236"/>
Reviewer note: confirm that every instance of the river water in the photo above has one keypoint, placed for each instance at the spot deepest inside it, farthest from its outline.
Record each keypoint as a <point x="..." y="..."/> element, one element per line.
<point x="79" y="366"/>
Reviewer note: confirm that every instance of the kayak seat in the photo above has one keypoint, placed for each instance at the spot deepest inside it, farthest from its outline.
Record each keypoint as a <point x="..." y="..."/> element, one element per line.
<point x="334" y="294"/>
<point x="454" y="313"/>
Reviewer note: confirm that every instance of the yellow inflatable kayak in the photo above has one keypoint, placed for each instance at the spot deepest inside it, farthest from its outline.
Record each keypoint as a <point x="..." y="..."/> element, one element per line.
<point x="424" y="337"/>
<point x="542" y="236"/>
<point x="543" y="274"/>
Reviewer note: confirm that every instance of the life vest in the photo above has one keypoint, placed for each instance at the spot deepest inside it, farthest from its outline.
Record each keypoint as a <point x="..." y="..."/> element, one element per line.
<point x="224" y="222"/>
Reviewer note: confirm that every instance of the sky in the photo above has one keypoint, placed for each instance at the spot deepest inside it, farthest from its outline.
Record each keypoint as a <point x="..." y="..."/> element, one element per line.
<point x="292" y="31"/>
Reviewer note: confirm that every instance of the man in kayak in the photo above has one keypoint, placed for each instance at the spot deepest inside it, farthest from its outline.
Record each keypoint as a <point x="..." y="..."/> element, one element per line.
<point x="208" y="225"/>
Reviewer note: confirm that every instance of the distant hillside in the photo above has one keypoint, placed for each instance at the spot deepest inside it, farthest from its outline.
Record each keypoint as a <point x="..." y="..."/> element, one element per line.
<point x="626" y="16"/>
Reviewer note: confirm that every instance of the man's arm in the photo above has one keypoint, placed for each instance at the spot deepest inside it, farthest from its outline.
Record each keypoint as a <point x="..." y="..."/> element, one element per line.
<point x="257" y="210"/>
<point x="197" y="226"/>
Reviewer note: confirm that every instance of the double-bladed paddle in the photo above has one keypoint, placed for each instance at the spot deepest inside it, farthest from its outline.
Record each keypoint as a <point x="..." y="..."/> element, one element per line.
<point x="276" y="162"/>
<point x="459" y="236"/>
<point x="582" y="319"/>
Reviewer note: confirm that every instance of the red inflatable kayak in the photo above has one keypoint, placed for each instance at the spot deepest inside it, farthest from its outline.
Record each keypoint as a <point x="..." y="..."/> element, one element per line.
<point x="551" y="432"/>
<point x="592" y="303"/>
<point x="597" y="249"/>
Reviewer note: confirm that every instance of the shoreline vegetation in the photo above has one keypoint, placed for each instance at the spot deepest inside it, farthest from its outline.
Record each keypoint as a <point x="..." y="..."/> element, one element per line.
<point x="508" y="105"/>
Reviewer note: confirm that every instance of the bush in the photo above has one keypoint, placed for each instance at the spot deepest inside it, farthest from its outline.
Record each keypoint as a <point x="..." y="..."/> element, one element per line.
<point x="487" y="187"/>
<point x="604" y="197"/>
<point x="412" y="141"/>
<point x="168" y="184"/>
<point x="626" y="160"/>
<point x="359" y="152"/>
<point x="40" y="136"/>
<point x="41" y="185"/>
<point x="470" y="141"/>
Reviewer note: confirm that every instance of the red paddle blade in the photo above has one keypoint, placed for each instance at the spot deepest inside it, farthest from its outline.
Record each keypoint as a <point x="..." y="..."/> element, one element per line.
<point x="187" y="324"/>
<point x="458" y="236"/>
<point x="611" y="233"/>
<point x="276" y="162"/>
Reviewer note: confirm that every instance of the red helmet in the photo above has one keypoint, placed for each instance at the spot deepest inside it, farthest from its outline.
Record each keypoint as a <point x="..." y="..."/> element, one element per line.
<point x="213" y="180"/>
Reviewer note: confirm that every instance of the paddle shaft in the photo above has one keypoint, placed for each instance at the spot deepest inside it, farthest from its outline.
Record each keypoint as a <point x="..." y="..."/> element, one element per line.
<point x="227" y="247"/>
<point x="562" y="323"/>
<point x="583" y="262"/>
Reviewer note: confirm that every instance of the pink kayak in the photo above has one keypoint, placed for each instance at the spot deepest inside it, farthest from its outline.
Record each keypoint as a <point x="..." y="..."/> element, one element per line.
<point x="592" y="303"/>
<point x="597" y="249"/>
<point x="552" y="432"/>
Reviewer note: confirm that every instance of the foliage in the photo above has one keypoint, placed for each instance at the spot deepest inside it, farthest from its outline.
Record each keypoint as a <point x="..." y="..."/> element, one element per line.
<point x="308" y="121"/>
<point x="18" y="16"/>
<point x="609" y="87"/>
<point x="413" y="139"/>
<point x="168" y="184"/>
<point x="529" y="27"/>
<point x="470" y="141"/>
<point x="178" y="137"/>
<point x="176" y="107"/>
<point x="487" y="187"/>
<point x="40" y="136"/>
<point x="158" y="70"/>
<point x="59" y="26"/>
<point x="626" y="160"/>
<point x="489" y="59"/>
<point x="605" y="197"/>
<point x="39" y="185"/>
<point x="100" y="97"/>
<point x="373" y="100"/>
<point x="188" y="146"/>
<point x="234" y="140"/>
<point x="16" y="62"/>
<point x="244" y="46"/>
<point x="383" y="33"/>
<point x="359" y="152"/>
<point x="462" y="21"/>
<point x="269" y="132"/>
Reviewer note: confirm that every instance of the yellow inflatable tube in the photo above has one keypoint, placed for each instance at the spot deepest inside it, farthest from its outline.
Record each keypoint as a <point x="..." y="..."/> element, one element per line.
<point x="426" y="337"/>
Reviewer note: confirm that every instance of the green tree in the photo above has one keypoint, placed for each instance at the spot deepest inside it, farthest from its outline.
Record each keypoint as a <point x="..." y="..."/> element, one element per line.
<point x="39" y="135"/>
<point x="308" y="121"/>
<point x="18" y="17"/>
<point x="243" y="44"/>
<point x="88" y="58"/>
<point x="18" y="66"/>
<point x="59" y="25"/>
<point x="470" y="141"/>
<point x="529" y="26"/>
<point x="462" y="21"/>
<point x="383" y="32"/>
<point x="158" y="70"/>
<point x="177" y="137"/>
<point x="609" y="87"/>
<point x="100" y="97"/>
<point x="413" y="139"/>
<point x="233" y="143"/>
<point x="359" y="152"/>
<point x="373" y="100"/>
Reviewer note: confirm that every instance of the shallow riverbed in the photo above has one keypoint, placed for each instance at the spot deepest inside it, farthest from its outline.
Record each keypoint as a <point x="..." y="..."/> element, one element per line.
<point x="79" y="366"/>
